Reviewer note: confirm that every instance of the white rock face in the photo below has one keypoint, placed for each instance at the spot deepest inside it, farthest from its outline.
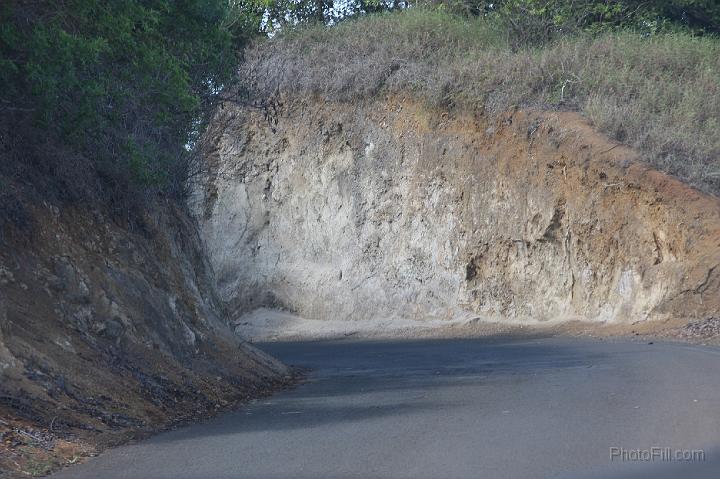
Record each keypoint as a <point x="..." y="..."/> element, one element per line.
<point x="386" y="210"/>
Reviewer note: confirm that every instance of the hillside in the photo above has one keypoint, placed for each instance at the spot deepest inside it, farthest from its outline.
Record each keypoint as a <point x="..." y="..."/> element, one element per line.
<point x="441" y="180"/>
<point x="659" y="94"/>
<point x="110" y="326"/>
<point x="107" y="334"/>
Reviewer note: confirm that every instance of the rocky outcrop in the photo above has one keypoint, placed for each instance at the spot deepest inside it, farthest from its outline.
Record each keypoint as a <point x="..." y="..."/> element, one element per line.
<point x="390" y="209"/>
<point x="109" y="332"/>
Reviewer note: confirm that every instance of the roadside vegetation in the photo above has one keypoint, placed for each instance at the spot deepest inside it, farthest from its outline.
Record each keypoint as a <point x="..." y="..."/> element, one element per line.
<point x="102" y="102"/>
<point x="656" y="89"/>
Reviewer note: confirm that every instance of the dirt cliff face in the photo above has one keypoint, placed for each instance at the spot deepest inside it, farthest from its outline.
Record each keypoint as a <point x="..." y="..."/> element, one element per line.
<point x="389" y="209"/>
<point x="110" y="332"/>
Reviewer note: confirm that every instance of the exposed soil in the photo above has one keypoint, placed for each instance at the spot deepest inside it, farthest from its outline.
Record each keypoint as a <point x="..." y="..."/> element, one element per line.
<point x="390" y="209"/>
<point x="111" y="333"/>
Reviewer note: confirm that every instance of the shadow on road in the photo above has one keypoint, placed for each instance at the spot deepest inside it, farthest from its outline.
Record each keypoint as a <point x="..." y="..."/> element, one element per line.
<point x="365" y="380"/>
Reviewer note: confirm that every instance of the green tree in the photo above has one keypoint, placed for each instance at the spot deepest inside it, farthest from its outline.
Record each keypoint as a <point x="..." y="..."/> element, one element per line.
<point x="127" y="83"/>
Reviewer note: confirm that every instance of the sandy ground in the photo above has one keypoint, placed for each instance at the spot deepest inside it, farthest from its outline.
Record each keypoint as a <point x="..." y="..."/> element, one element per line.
<point x="263" y="325"/>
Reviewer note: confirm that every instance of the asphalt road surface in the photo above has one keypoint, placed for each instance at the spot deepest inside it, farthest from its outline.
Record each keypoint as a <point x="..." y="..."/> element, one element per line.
<point x="476" y="408"/>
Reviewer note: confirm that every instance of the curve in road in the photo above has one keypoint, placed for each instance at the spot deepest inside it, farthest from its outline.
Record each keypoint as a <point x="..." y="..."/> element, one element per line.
<point x="471" y="408"/>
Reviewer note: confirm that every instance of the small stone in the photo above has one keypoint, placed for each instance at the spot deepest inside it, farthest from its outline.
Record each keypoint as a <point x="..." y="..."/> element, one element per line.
<point x="6" y="276"/>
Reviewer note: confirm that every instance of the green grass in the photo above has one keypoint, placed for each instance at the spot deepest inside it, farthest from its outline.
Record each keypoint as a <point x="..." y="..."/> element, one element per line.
<point x="659" y="93"/>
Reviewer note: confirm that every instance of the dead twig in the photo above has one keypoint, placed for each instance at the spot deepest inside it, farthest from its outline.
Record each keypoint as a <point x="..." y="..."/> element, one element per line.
<point x="609" y="149"/>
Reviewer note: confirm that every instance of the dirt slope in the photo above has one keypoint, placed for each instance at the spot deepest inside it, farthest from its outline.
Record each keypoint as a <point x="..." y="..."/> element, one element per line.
<point x="108" y="333"/>
<point x="388" y="209"/>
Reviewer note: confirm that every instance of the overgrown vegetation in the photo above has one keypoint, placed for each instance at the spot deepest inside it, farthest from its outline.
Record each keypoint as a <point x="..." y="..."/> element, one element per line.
<point x="535" y="22"/>
<point x="528" y="21"/>
<point x="658" y="92"/>
<point x="106" y="98"/>
<point x="121" y="87"/>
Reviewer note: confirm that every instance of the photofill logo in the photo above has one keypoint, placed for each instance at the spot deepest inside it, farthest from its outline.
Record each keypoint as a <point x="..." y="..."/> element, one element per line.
<point x="656" y="454"/>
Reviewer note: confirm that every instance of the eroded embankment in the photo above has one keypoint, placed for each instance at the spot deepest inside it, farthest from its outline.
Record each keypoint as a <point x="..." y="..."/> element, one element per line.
<point x="388" y="209"/>
<point x="110" y="332"/>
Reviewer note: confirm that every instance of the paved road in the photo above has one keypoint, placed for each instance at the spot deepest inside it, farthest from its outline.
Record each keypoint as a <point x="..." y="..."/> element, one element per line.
<point x="514" y="408"/>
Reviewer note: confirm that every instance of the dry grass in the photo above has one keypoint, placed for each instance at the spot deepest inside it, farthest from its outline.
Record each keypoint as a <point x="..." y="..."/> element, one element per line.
<point x="659" y="94"/>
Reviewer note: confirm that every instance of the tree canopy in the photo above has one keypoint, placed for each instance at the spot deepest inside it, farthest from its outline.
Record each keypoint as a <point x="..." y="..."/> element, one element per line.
<point x="130" y="84"/>
<point x="127" y="82"/>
